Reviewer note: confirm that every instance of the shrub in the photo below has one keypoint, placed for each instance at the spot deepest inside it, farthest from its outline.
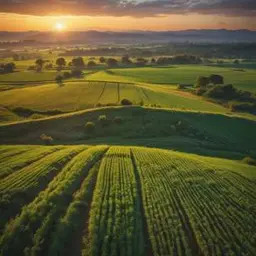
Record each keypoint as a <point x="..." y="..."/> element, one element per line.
<point x="103" y="120"/>
<point x="47" y="140"/>
<point x="90" y="127"/>
<point x="112" y="63"/>
<point x="216" y="79"/>
<point x="200" y="91"/>
<point x="249" y="160"/>
<point x="76" y="73"/>
<point x="66" y="75"/>
<point x="243" y="107"/>
<point x="59" y="79"/>
<point x="202" y="81"/>
<point x="91" y="64"/>
<point x="118" y="120"/>
<point x="126" y="102"/>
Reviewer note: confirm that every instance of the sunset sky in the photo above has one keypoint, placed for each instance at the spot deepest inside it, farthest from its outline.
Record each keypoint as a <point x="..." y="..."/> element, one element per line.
<point x="116" y="15"/>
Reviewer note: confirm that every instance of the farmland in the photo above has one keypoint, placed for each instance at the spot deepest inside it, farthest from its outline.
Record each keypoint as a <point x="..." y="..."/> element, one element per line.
<point x="99" y="197"/>
<point x="126" y="160"/>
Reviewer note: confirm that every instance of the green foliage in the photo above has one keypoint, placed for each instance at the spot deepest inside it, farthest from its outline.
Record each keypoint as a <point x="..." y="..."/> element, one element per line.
<point x="202" y="81"/>
<point x="47" y="140"/>
<point x="249" y="160"/>
<point x="118" y="120"/>
<point x="126" y="102"/>
<point x="89" y="127"/>
<point x="102" y="119"/>
<point x="61" y="62"/>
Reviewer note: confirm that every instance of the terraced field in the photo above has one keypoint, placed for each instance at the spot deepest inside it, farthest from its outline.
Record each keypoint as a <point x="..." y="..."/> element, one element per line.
<point x="79" y="200"/>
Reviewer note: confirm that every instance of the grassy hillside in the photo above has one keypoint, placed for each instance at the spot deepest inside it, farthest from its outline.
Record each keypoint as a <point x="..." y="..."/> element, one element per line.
<point x="183" y="130"/>
<point x="74" y="96"/>
<point x="126" y="201"/>
<point x="182" y="74"/>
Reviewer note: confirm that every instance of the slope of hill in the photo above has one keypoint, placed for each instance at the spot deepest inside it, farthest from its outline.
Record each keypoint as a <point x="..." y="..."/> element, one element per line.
<point x="72" y="96"/>
<point x="127" y="201"/>
<point x="183" y="130"/>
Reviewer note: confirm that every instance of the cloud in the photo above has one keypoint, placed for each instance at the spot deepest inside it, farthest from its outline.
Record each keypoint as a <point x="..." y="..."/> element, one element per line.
<point x="135" y="8"/>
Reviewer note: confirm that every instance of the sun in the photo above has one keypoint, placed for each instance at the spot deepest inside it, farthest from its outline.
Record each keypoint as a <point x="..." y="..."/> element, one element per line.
<point x="59" y="26"/>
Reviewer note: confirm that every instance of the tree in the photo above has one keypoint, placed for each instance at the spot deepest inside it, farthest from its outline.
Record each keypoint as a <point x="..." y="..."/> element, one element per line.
<point x="202" y="81"/>
<point x="126" y="60"/>
<point x="78" y="62"/>
<point x="7" y="68"/>
<point x="61" y="62"/>
<point x="89" y="127"/>
<point x="216" y="79"/>
<point x="111" y="63"/>
<point x="39" y="63"/>
<point x="102" y="60"/>
<point x="91" y="64"/>
<point x="236" y="62"/>
<point x="126" y="102"/>
<point x="59" y="79"/>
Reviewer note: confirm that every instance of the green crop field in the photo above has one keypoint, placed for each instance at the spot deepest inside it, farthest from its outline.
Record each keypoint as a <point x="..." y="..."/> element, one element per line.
<point x="124" y="201"/>
<point x="183" y="74"/>
<point x="73" y="96"/>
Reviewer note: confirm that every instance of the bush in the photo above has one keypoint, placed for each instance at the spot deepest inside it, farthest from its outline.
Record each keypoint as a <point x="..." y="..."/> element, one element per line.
<point x="59" y="79"/>
<point x="47" y="140"/>
<point x="249" y="160"/>
<point x="66" y="75"/>
<point x="200" y="91"/>
<point x="91" y="64"/>
<point x="111" y="63"/>
<point x="226" y="92"/>
<point x="76" y="73"/>
<point x="89" y="127"/>
<point x="118" y="120"/>
<point x="126" y="102"/>
<point x="243" y="107"/>
<point x="202" y="81"/>
<point x="103" y="120"/>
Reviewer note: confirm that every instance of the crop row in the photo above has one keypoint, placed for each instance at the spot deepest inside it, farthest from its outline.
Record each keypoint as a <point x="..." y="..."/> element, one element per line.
<point x="193" y="209"/>
<point x="33" y="230"/>
<point x="115" y="224"/>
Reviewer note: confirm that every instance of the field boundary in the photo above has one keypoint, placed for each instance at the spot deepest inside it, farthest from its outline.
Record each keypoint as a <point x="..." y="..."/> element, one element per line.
<point x="147" y="242"/>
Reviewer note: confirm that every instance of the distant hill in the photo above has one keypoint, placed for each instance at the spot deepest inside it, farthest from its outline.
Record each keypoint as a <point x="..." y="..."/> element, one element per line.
<point x="196" y="36"/>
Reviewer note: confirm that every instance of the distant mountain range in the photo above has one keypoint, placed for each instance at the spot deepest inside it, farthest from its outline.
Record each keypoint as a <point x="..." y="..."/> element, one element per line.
<point x="133" y="37"/>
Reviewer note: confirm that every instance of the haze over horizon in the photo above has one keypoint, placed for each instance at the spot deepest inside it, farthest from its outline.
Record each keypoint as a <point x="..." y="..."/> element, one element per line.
<point x="125" y="15"/>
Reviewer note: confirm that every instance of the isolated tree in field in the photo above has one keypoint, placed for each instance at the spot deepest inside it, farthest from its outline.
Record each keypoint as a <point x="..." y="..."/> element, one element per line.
<point x="8" y="68"/>
<point x="216" y="79"/>
<point x="126" y="60"/>
<point x="59" y="79"/>
<point x="78" y="62"/>
<point x="102" y="60"/>
<point x="39" y="64"/>
<point x="111" y="63"/>
<point x="202" y="81"/>
<point x="89" y="127"/>
<point x="61" y="62"/>
<point x="91" y="64"/>
<point x="126" y="102"/>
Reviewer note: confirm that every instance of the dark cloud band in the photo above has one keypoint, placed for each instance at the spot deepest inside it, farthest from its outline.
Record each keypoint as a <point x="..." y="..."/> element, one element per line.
<point x="135" y="8"/>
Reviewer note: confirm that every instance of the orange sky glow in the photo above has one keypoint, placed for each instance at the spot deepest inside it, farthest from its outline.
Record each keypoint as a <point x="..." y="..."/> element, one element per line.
<point x="19" y="22"/>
